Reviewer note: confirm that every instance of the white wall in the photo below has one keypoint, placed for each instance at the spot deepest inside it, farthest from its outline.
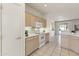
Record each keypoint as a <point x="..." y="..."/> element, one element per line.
<point x="0" y="29"/>
<point x="50" y="28"/>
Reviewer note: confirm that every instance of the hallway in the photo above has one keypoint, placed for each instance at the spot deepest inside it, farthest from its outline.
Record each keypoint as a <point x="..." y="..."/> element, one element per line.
<point x="50" y="50"/>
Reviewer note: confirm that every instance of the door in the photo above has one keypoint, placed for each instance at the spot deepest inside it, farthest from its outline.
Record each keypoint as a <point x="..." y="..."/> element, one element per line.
<point x="0" y="29"/>
<point x="13" y="41"/>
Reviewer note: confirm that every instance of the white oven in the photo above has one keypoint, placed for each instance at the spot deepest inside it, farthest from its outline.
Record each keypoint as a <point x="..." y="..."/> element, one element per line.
<point x="41" y="39"/>
<point x="39" y="31"/>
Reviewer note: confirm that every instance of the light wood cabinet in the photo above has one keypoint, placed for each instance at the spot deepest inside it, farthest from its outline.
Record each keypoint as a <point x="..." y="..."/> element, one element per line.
<point x="27" y="19"/>
<point x="36" y="42"/>
<point x="31" y="44"/>
<point x="44" y="22"/>
<point x="47" y="37"/>
<point x="33" y="20"/>
<point x="65" y="41"/>
<point x="30" y="20"/>
<point x="74" y="44"/>
<point x="70" y="42"/>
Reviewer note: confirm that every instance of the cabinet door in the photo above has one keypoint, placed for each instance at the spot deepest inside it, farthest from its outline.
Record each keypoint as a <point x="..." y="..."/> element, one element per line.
<point x="27" y="19"/>
<point x="47" y="37"/>
<point x="33" y="20"/>
<point x="29" y="45"/>
<point x="13" y="29"/>
<point x="44" y="23"/>
<point x="36" y="42"/>
<point x="65" y="41"/>
<point x="74" y="43"/>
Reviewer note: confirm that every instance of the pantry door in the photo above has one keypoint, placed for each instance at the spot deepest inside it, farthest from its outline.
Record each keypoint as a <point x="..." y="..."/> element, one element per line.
<point x="12" y="29"/>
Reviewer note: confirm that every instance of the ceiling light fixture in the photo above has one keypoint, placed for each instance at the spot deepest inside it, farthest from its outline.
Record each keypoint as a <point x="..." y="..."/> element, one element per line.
<point x="45" y="5"/>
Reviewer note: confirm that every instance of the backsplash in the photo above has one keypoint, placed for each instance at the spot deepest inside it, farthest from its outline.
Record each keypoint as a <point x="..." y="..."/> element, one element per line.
<point x="33" y="30"/>
<point x="29" y="29"/>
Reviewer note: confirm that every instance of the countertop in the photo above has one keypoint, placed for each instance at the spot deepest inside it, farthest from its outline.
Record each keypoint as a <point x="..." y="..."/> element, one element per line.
<point x="31" y="35"/>
<point x="72" y="34"/>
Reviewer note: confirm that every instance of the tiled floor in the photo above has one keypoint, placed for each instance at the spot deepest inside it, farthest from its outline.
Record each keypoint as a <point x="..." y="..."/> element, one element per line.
<point x="50" y="50"/>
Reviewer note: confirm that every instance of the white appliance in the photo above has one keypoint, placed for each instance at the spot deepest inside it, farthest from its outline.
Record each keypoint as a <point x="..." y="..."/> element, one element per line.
<point x="42" y="39"/>
<point x="38" y="25"/>
<point x="38" y="30"/>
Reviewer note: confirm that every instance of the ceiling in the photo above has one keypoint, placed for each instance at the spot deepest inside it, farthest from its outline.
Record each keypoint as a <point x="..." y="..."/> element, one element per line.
<point x="58" y="10"/>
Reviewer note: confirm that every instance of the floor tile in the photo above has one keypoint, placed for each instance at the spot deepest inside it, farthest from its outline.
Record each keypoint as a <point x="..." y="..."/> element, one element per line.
<point x="50" y="50"/>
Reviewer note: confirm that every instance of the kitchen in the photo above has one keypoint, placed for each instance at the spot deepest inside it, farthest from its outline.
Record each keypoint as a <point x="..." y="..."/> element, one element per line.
<point x="35" y="31"/>
<point x="49" y="34"/>
<point x="24" y="29"/>
<point x="41" y="29"/>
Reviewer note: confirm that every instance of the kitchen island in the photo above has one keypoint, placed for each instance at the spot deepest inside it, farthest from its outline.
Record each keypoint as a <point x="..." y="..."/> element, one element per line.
<point x="70" y="41"/>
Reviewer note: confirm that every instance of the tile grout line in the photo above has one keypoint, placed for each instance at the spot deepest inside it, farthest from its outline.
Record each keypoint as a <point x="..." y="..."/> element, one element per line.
<point x="53" y="50"/>
<point x="61" y="52"/>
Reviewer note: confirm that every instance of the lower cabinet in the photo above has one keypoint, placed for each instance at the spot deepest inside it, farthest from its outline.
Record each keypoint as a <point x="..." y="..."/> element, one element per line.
<point x="70" y="42"/>
<point x="36" y="42"/>
<point x="28" y="46"/>
<point x="65" y="41"/>
<point x="47" y="37"/>
<point x="74" y="44"/>
<point x="31" y="44"/>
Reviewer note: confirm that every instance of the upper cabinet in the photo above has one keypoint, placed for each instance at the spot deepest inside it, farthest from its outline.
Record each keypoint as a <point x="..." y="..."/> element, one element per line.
<point x="27" y="19"/>
<point x="33" y="20"/>
<point x="30" y="20"/>
<point x="44" y="23"/>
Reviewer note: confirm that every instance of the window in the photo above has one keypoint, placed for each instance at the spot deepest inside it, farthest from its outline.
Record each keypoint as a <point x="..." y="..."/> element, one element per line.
<point x="63" y="27"/>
